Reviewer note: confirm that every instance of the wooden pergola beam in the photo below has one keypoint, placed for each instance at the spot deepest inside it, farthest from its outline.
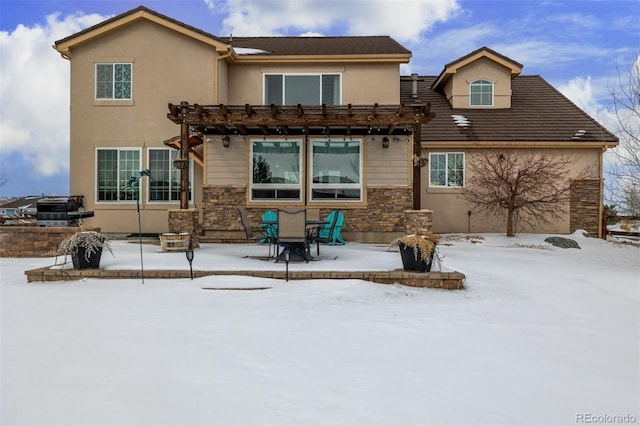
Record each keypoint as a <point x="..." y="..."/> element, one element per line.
<point x="229" y="118"/>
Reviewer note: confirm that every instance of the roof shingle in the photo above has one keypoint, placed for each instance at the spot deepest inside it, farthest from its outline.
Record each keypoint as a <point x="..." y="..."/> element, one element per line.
<point x="538" y="113"/>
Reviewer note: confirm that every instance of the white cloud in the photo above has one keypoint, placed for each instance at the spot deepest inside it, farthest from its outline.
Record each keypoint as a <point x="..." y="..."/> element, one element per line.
<point x="404" y="20"/>
<point x="35" y="92"/>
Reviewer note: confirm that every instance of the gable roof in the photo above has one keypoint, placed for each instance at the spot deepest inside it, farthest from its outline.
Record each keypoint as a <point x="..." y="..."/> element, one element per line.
<point x="65" y="45"/>
<point x="483" y="52"/>
<point x="253" y="49"/>
<point x="539" y="113"/>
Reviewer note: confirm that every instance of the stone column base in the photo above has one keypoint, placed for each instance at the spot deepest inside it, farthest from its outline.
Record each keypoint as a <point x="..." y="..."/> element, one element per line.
<point x="186" y="220"/>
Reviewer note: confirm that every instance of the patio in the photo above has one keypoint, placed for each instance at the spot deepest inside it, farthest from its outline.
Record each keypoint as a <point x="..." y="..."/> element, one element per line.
<point x="369" y="262"/>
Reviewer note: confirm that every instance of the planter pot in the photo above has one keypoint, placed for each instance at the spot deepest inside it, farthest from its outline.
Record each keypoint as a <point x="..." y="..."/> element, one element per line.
<point x="412" y="261"/>
<point x="80" y="261"/>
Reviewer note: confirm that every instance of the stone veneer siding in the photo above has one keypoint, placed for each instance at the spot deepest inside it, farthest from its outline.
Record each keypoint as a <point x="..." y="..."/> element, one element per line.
<point x="186" y="220"/>
<point x="385" y="212"/>
<point x="584" y="210"/>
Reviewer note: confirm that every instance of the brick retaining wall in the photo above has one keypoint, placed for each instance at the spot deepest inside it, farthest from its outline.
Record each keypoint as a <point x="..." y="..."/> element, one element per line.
<point x="32" y="241"/>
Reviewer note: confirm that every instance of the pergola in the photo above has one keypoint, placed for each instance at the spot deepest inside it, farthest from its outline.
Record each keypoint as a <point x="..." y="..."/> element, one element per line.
<point x="283" y="120"/>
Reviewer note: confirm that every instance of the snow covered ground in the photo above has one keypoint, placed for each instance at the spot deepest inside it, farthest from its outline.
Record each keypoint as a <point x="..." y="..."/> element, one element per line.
<point x="540" y="336"/>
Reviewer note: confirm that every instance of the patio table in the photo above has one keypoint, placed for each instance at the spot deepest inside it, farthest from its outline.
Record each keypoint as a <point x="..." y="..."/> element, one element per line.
<point x="297" y="251"/>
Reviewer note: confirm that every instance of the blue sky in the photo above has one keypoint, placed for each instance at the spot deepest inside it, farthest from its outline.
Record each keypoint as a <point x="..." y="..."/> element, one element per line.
<point x="577" y="46"/>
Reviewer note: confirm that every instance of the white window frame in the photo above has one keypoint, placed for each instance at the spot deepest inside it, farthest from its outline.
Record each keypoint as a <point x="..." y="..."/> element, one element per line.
<point x="113" y="81"/>
<point x="121" y="182"/>
<point x="482" y="82"/>
<point x="312" y="74"/>
<point x="173" y="153"/>
<point x="277" y="186"/>
<point x="432" y="162"/>
<point x="337" y="185"/>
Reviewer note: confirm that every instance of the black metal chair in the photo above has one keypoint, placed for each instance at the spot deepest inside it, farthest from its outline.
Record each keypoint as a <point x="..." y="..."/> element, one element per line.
<point x="256" y="233"/>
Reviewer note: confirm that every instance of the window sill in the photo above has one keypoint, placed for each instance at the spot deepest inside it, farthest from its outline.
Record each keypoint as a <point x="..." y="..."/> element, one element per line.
<point x="114" y="102"/>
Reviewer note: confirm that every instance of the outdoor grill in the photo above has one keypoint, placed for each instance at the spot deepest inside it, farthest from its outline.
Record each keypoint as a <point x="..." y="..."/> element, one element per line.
<point x="60" y="211"/>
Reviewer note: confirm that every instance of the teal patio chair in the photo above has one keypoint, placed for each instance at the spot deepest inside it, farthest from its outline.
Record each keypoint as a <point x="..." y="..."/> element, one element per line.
<point x="270" y="225"/>
<point x="330" y="232"/>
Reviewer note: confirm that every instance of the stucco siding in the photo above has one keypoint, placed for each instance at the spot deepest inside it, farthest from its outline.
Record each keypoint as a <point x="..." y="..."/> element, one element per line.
<point x="482" y="69"/>
<point x="451" y="212"/>
<point x="361" y="84"/>
<point x="167" y="67"/>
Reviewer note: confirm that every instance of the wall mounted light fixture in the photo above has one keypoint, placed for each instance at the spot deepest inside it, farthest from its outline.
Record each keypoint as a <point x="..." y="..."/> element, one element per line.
<point x="226" y="141"/>
<point x="385" y="142"/>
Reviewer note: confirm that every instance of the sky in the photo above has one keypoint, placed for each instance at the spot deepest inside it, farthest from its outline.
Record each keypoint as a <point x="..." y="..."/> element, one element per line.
<point x="577" y="46"/>
<point x="539" y="336"/>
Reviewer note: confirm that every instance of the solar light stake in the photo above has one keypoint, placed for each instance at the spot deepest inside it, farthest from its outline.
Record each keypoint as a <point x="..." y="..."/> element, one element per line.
<point x="189" y="254"/>
<point x="286" y="261"/>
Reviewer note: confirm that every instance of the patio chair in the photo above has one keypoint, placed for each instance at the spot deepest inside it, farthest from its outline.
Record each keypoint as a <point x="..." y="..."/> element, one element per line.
<point x="330" y="232"/>
<point x="292" y="232"/>
<point x="270" y="229"/>
<point x="254" y="233"/>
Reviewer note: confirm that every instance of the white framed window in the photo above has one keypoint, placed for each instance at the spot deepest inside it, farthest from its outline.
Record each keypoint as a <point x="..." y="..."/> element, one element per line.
<point x="481" y="93"/>
<point x="113" y="81"/>
<point x="304" y="89"/>
<point x="446" y="169"/>
<point x="336" y="170"/>
<point x="164" y="179"/>
<point x="114" y="168"/>
<point x="276" y="165"/>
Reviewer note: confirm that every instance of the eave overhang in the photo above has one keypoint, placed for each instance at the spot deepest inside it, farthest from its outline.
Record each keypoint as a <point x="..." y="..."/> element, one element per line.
<point x="319" y="59"/>
<point x="64" y="46"/>
<point x="426" y="144"/>
<point x="451" y="68"/>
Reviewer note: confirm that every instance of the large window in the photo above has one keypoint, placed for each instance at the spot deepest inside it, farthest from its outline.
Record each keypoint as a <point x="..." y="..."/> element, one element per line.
<point x="305" y="89"/>
<point x="164" y="182"/>
<point x="446" y="169"/>
<point x="114" y="169"/>
<point x="481" y="93"/>
<point x="276" y="166"/>
<point x="336" y="170"/>
<point x="113" y="81"/>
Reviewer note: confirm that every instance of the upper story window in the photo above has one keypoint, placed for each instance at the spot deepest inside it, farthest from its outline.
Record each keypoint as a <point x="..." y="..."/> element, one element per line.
<point x="481" y="93"/>
<point x="305" y="89"/>
<point x="446" y="169"/>
<point x="113" y="81"/>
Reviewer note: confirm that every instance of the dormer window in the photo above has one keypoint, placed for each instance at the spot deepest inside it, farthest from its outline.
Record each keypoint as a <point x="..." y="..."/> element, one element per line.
<point x="481" y="93"/>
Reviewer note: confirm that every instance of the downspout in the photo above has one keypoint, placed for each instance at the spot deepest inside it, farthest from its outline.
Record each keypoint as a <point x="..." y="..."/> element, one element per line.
<point x="602" y="233"/>
<point x="228" y="53"/>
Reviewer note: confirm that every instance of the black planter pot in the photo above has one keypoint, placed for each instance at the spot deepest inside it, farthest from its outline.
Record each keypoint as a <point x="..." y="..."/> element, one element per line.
<point x="80" y="261"/>
<point x="409" y="261"/>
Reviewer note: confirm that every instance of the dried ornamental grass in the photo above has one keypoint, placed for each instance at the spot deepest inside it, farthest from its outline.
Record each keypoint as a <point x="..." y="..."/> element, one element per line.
<point x="91" y="241"/>
<point x="422" y="242"/>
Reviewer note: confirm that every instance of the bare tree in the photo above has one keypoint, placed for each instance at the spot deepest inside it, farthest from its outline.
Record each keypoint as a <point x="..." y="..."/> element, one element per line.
<point x="530" y="187"/>
<point x="625" y="98"/>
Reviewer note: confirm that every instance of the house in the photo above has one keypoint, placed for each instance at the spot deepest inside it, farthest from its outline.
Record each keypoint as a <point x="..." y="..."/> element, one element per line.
<point x="274" y="122"/>
<point x="19" y="208"/>
<point x="483" y="103"/>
